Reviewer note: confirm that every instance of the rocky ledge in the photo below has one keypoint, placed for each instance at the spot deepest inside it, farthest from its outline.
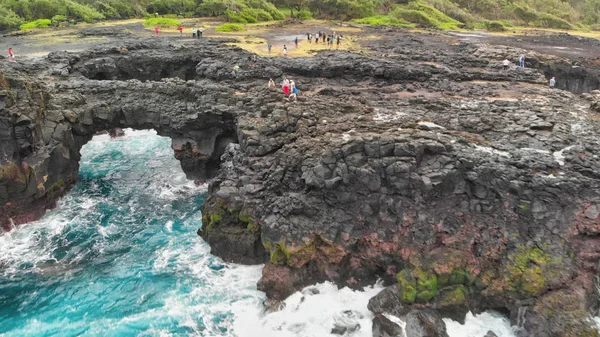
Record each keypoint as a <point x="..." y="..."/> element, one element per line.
<point x="460" y="185"/>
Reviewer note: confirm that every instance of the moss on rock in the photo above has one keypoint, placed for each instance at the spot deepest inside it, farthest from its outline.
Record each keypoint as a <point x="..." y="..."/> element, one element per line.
<point x="456" y="296"/>
<point x="407" y="286"/>
<point x="417" y="285"/>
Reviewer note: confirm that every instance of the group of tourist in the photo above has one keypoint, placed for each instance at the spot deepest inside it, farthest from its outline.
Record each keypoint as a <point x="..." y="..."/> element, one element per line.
<point x="196" y="32"/>
<point x="329" y="39"/>
<point x="288" y="87"/>
<point x="506" y="64"/>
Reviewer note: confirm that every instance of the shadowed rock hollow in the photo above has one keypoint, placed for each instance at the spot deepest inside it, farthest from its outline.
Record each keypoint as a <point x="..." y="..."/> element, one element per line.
<point x="462" y="186"/>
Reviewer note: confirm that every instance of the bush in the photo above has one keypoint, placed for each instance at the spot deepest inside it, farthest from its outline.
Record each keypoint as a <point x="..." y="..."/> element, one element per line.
<point x="425" y="16"/>
<point x="249" y="15"/>
<point x="525" y="13"/>
<point x="414" y="16"/>
<point x="8" y="18"/>
<point x="494" y="26"/>
<point x="230" y="27"/>
<point x="263" y="15"/>
<point x="550" y="21"/>
<point x="41" y="23"/>
<point x="383" y="20"/>
<point x="59" y="18"/>
<point x="82" y="12"/>
<point x="161" y="22"/>
<point x="305" y="14"/>
<point x="452" y="10"/>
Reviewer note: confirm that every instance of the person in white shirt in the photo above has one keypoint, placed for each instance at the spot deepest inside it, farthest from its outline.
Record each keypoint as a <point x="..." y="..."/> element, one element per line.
<point x="552" y="82"/>
<point x="505" y="64"/>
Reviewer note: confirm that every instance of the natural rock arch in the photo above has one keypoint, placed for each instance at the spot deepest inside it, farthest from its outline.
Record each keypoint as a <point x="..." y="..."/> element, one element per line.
<point x="387" y="167"/>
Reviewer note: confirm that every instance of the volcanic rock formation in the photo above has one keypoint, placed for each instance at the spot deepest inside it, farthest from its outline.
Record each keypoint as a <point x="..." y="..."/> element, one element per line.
<point x="462" y="186"/>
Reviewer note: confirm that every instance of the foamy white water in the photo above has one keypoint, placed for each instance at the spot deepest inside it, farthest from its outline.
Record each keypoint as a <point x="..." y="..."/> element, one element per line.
<point x="478" y="326"/>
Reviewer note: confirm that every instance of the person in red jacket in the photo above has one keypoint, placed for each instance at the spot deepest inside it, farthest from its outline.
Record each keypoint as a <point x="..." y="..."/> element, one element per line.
<point x="11" y="55"/>
<point x="180" y="31"/>
<point x="156" y="30"/>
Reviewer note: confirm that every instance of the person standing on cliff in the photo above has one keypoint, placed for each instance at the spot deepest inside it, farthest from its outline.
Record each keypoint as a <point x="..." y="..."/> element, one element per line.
<point x="236" y="70"/>
<point x="180" y="31"/>
<point x="552" y="82"/>
<point x="269" y="47"/>
<point x="505" y="64"/>
<point x="284" y="52"/>
<point x="156" y="30"/>
<point x="522" y="61"/>
<point x="193" y="32"/>
<point x="200" y="31"/>
<point x="296" y="42"/>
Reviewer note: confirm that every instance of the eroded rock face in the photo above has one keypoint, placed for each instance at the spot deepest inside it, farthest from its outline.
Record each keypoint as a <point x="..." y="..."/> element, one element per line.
<point x="465" y="186"/>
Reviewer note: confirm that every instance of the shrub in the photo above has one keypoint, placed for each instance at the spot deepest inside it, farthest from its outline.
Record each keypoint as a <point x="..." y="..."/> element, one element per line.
<point x="41" y="23"/>
<point x="550" y="21"/>
<point x="59" y="18"/>
<point x="383" y="20"/>
<point x="8" y="18"/>
<point x="494" y="26"/>
<point x="425" y="16"/>
<point x="263" y="15"/>
<point x="452" y="10"/>
<point x="414" y="16"/>
<point x="230" y="27"/>
<point x="82" y="12"/>
<point x="305" y="14"/>
<point x="525" y="13"/>
<point x="161" y="22"/>
<point x="249" y="15"/>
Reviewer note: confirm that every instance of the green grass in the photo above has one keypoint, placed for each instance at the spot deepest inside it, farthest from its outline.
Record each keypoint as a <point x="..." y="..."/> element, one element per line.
<point x="383" y="20"/>
<point x="161" y="22"/>
<point x="41" y="23"/>
<point x="230" y="27"/>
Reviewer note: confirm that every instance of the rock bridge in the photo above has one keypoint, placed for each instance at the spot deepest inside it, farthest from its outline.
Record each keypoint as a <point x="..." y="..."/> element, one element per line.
<point x="462" y="186"/>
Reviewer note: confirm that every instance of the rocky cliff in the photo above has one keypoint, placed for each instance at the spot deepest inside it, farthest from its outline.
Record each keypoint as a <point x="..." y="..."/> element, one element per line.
<point x="462" y="186"/>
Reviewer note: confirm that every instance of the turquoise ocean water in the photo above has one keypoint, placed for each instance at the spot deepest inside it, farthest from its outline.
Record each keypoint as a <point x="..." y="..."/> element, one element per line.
<point x="120" y="256"/>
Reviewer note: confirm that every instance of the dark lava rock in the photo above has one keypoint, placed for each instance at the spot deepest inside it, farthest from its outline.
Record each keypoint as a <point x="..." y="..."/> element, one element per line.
<point x="417" y="323"/>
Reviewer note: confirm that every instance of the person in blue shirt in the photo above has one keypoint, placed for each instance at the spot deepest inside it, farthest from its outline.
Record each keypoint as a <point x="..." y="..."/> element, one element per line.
<point x="522" y="61"/>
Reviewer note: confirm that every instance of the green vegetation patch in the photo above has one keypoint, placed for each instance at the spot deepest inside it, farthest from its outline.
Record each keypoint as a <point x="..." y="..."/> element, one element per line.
<point x="424" y="15"/>
<point x="417" y="285"/>
<point x="230" y="27"/>
<point x="41" y="23"/>
<point x="457" y="296"/>
<point x="384" y="20"/>
<point x="162" y="22"/>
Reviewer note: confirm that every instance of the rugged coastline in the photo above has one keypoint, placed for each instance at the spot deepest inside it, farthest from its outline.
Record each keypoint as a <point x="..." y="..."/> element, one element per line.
<point x="462" y="186"/>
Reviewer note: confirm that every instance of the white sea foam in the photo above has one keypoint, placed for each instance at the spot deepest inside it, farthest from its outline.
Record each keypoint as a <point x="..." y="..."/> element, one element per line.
<point x="478" y="326"/>
<point x="311" y="312"/>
